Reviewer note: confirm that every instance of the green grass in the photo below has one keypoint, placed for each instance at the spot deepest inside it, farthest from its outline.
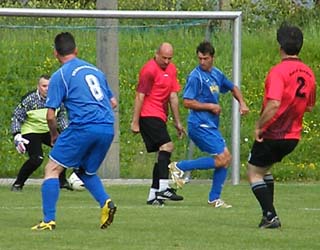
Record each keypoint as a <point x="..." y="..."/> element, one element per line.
<point x="190" y="224"/>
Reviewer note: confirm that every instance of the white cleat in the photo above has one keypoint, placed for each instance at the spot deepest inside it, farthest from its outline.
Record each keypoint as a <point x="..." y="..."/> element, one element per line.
<point x="218" y="203"/>
<point x="176" y="174"/>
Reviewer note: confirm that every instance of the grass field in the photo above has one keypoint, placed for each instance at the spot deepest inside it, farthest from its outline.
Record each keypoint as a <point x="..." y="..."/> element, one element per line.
<point x="189" y="224"/>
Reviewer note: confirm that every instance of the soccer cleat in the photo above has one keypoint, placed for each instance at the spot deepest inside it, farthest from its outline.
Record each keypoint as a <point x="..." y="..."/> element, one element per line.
<point x="107" y="214"/>
<point x="66" y="185"/>
<point x="51" y="225"/>
<point x="218" y="203"/>
<point x="176" y="174"/>
<point x="274" y="223"/>
<point x="156" y="202"/>
<point x="187" y="179"/>
<point x="16" y="188"/>
<point x="263" y="221"/>
<point x="168" y="194"/>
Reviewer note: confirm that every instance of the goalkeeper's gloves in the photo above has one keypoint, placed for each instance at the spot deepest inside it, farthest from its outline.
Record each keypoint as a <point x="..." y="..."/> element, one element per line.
<point x="19" y="141"/>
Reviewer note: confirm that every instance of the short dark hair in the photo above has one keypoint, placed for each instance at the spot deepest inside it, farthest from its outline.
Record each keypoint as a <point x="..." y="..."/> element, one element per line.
<point x="205" y="47"/>
<point x="45" y="76"/>
<point x="64" y="43"/>
<point x="290" y="39"/>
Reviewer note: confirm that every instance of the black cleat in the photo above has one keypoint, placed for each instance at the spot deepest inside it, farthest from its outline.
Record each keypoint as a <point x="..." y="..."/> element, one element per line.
<point x="156" y="202"/>
<point x="169" y="194"/>
<point x="16" y="188"/>
<point x="274" y="223"/>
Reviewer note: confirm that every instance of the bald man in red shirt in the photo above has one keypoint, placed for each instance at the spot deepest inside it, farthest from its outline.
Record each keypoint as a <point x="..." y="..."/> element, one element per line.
<point x="156" y="92"/>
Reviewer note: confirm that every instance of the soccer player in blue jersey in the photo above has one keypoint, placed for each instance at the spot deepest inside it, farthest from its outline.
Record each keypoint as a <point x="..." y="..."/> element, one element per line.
<point x="201" y="95"/>
<point x="83" y="145"/>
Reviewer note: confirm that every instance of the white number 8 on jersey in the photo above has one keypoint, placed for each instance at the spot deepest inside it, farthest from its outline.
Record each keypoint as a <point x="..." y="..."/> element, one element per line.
<point x="94" y="87"/>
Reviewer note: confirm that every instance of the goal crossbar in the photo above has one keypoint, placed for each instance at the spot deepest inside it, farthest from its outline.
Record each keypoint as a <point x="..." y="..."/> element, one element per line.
<point x="227" y="15"/>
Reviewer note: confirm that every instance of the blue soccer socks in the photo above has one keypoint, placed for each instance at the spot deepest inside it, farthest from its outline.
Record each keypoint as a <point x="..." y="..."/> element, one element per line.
<point x="219" y="177"/>
<point x="95" y="187"/>
<point x="50" y="194"/>
<point x="199" y="163"/>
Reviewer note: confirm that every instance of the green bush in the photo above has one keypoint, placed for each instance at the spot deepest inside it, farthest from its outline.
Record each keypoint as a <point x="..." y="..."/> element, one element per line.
<point x="261" y="14"/>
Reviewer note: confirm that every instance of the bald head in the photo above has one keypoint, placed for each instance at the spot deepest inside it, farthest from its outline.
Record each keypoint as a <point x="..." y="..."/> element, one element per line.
<point x="165" y="48"/>
<point x="164" y="55"/>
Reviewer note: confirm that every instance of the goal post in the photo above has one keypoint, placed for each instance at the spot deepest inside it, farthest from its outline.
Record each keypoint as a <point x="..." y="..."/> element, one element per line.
<point x="234" y="16"/>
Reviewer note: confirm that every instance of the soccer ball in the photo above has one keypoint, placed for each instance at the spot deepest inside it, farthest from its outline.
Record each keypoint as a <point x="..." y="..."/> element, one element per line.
<point x="75" y="182"/>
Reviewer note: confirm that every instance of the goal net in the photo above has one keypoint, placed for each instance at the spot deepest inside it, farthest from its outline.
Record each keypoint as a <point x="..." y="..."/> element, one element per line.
<point x="26" y="53"/>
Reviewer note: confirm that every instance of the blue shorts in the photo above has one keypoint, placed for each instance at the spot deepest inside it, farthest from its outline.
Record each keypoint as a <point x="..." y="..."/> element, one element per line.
<point x="208" y="140"/>
<point x="83" y="147"/>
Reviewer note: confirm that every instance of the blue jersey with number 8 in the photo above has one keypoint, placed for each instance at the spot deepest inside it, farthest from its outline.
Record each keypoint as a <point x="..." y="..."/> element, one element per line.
<point x="85" y="92"/>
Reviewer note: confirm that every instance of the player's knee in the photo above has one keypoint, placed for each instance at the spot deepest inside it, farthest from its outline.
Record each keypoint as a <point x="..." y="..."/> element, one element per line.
<point x="254" y="174"/>
<point x="223" y="160"/>
<point x="169" y="147"/>
<point x="36" y="160"/>
<point x="222" y="163"/>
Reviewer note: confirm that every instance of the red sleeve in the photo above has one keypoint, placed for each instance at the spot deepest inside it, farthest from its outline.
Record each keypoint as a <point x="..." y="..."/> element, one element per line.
<point x="274" y="86"/>
<point x="312" y="97"/>
<point x="146" y="81"/>
<point x="175" y="85"/>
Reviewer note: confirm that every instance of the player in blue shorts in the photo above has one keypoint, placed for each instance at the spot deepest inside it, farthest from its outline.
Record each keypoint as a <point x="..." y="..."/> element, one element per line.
<point x="83" y="145"/>
<point x="201" y="96"/>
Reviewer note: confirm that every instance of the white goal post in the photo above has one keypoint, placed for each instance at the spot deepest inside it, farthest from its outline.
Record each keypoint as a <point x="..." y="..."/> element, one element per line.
<point x="234" y="16"/>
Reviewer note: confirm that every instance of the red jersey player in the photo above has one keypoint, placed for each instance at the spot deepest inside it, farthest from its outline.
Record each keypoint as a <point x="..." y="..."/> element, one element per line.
<point x="157" y="89"/>
<point x="289" y="92"/>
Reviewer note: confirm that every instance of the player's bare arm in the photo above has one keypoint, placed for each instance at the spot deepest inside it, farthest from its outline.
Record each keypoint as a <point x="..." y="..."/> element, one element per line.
<point x="52" y="124"/>
<point x="309" y="109"/>
<point x="267" y="114"/>
<point x="174" y="105"/>
<point x="243" y="109"/>
<point x="195" y="105"/>
<point x="135" y="128"/>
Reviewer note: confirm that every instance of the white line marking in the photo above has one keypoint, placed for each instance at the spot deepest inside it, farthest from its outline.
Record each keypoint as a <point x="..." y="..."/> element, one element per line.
<point x="311" y="209"/>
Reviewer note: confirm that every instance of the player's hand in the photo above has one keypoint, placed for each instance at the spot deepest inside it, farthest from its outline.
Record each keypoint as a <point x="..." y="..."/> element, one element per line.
<point x="20" y="142"/>
<point x="258" y="135"/>
<point x="135" y="128"/>
<point x="181" y="131"/>
<point x="244" y="109"/>
<point x="215" y="109"/>
<point x="54" y="137"/>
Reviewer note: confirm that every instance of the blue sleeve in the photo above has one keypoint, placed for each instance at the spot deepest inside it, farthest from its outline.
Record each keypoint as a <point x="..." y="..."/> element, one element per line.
<point x="56" y="91"/>
<point x="192" y="88"/>
<point x="226" y="84"/>
<point x="109" y="91"/>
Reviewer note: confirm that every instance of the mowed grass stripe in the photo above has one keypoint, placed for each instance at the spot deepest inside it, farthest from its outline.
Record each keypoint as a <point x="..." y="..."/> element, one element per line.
<point x="190" y="224"/>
